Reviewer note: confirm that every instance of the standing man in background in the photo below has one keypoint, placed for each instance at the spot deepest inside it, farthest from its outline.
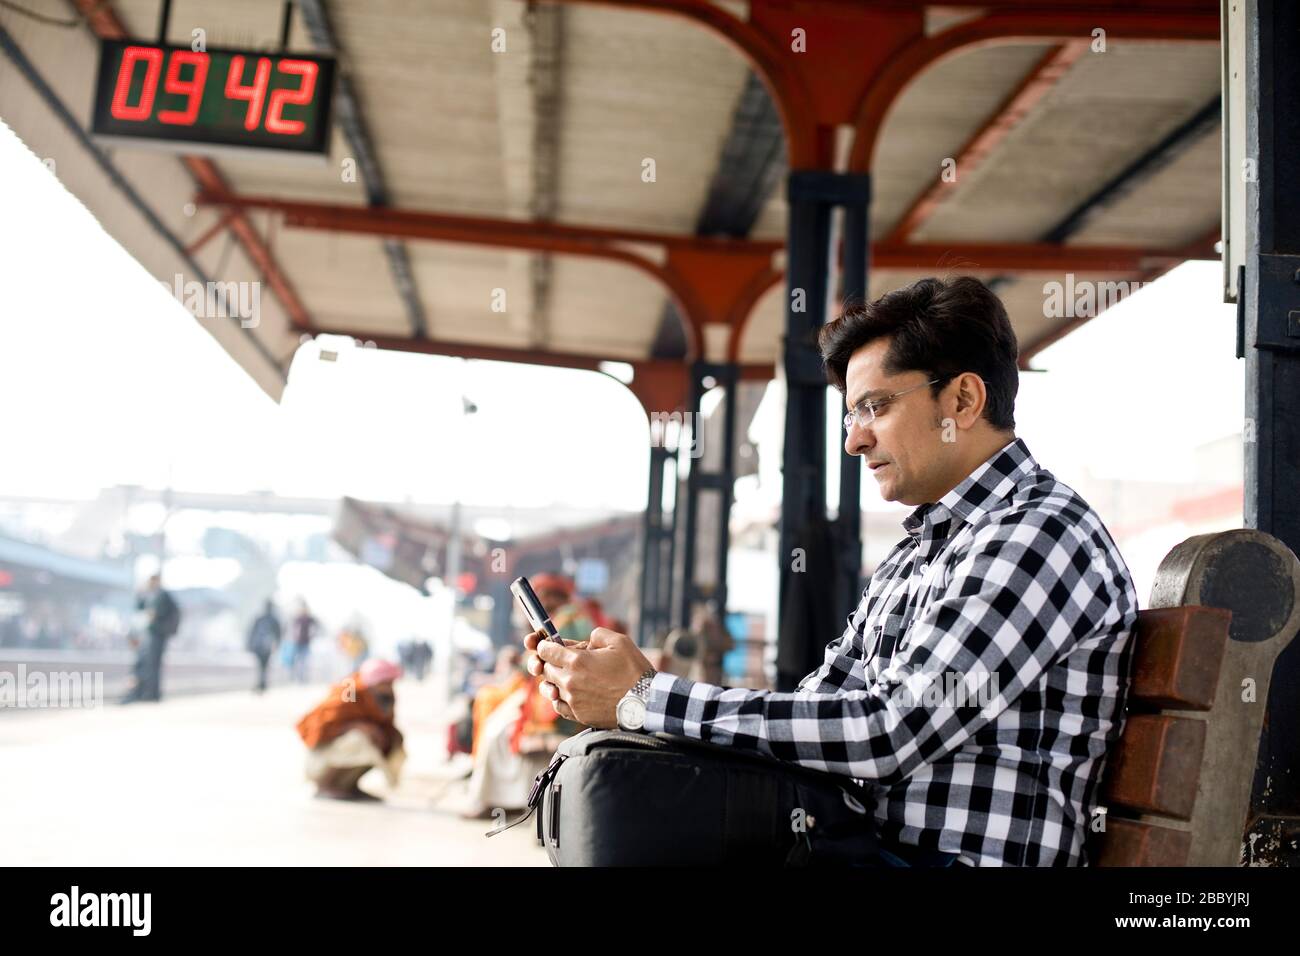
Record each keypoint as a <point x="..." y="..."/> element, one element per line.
<point x="163" y="619"/>
<point x="303" y="630"/>
<point x="262" y="640"/>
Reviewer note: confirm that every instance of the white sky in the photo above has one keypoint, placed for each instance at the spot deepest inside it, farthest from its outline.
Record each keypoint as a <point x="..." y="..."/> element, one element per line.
<point x="105" y="379"/>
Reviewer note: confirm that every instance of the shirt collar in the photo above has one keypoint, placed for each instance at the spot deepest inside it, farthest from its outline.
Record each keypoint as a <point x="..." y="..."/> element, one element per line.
<point x="980" y="490"/>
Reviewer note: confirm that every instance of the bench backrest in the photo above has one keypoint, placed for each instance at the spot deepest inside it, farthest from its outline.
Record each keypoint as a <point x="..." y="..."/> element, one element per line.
<point x="1177" y="786"/>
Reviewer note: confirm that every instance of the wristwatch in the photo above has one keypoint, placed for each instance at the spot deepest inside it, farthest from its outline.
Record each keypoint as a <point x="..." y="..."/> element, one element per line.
<point x="630" y="711"/>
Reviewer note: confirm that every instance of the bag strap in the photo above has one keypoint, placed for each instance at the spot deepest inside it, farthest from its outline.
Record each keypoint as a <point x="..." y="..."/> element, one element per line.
<point x="540" y="783"/>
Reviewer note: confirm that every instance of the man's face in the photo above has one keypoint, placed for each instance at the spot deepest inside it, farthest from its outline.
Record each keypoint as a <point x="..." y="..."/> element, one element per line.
<point x="902" y="448"/>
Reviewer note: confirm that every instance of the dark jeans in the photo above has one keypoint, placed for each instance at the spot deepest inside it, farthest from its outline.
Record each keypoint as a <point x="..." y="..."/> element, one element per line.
<point x="148" y="670"/>
<point x="892" y="854"/>
<point x="262" y="661"/>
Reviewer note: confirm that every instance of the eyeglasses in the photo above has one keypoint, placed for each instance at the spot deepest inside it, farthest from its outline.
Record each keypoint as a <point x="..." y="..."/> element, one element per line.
<point x="865" y="412"/>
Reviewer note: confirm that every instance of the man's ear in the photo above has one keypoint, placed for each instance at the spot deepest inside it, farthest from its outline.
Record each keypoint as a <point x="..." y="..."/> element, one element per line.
<point x="971" y="397"/>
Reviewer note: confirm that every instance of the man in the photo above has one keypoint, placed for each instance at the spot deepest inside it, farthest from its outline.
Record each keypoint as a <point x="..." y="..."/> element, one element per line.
<point x="352" y="731"/>
<point x="162" y="620"/>
<point x="1006" y="581"/>
<point x="263" y="637"/>
<point x="303" y="629"/>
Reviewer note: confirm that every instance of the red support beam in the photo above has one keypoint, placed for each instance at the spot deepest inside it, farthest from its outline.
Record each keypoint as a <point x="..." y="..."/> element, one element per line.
<point x="873" y="49"/>
<point x="807" y="146"/>
<point x="712" y="280"/>
<point x="722" y="280"/>
<point x="1021" y="257"/>
<point x="104" y="23"/>
<point x="744" y="307"/>
<point x="1042" y="79"/>
<point x="661" y="386"/>
<point x="223" y="222"/>
<point x="1021" y="23"/>
<point x="479" y="230"/>
<point x="811" y="103"/>
<point x="1202" y="248"/>
<point x="742" y="254"/>
<point x="657" y="376"/>
<point x="814" y="94"/>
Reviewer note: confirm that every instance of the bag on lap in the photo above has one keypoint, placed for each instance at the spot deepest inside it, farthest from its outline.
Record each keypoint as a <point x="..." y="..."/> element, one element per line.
<point x="614" y="798"/>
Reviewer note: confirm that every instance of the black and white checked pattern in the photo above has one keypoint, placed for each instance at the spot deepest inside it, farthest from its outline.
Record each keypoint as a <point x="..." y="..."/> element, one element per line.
<point x="1010" y="577"/>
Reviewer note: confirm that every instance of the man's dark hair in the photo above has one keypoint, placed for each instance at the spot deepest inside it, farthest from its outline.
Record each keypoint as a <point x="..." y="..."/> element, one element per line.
<point x="940" y="327"/>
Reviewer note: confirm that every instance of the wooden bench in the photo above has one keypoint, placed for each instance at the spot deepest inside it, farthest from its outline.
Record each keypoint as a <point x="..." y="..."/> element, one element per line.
<point x="1176" y="788"/>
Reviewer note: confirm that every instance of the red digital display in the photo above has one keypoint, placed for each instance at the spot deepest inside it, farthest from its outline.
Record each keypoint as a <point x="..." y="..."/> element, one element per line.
<point x="216" y="97"/>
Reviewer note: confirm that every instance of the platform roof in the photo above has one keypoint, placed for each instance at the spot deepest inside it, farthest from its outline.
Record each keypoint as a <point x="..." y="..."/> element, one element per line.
<point x="522" y="170"/>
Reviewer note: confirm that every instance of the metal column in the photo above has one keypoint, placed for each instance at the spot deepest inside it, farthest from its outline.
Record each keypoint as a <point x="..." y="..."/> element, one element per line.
<point x="1272" y="351"/>
<point x="720" y="482"/>
<point x="658" y="545"/>
<point x="814" y="579"/>
<point x="848" y="522"/>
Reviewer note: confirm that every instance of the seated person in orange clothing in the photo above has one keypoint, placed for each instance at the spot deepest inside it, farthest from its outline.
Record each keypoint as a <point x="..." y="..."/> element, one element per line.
<point x="351" y="731"/>
<point x="572" y="617"/>
<point x="515" y="727"/>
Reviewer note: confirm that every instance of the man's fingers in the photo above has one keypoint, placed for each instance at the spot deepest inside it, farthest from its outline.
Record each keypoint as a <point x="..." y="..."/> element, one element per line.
<point x="556" y="677"/>
<point x="531" y="639"/>
<point x="603" y="637"/>
<point x="549" y="691"/>
<point x="534" y="665"/>
<point x="554" y="653"/>
<point x="563" y="709"/>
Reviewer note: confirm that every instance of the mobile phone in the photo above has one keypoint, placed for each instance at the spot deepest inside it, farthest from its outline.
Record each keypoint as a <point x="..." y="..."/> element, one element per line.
<point x="534" y="610"/>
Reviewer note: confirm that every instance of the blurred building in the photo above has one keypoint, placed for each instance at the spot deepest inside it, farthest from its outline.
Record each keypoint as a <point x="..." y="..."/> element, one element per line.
<point x="49" y="599"/>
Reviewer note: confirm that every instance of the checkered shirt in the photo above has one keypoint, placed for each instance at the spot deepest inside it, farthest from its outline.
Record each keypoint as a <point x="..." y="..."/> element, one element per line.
<point x="978" y="684"/>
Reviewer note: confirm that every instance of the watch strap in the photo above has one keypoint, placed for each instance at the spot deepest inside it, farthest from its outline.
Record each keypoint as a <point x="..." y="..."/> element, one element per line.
<point x="642" y="686"/>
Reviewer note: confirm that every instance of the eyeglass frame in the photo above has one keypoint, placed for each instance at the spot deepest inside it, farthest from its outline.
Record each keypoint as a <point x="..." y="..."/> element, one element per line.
<point x="877" y="403"/>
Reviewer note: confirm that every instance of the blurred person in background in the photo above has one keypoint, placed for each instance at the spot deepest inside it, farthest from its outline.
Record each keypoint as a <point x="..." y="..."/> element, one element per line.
<point x="695" y="652"/>
<point x="263" y="638"/>
<point x="486" y="691"/>
<point x="572" y="618"/>
<point x="352" y="731"/>
<point x="515" y="728"/>
<point x="423" y="657"/>
<point x="301" y="631"/>
<point x="355" y="647"/>
<point x="161" y="620"/>
<point x="715" y="641"/>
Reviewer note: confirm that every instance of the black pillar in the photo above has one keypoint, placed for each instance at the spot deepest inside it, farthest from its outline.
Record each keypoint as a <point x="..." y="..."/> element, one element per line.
<point x="501" y="631"/>
<point x="659" y="529"/>
<point x="720" y="480"/>
<point x="1271" y="342"/>
<point x="812" y="554"/>
<point x="853" y="279"/>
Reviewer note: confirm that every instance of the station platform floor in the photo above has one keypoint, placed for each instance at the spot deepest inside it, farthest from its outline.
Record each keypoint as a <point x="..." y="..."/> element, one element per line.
<point x="217" y="780"/>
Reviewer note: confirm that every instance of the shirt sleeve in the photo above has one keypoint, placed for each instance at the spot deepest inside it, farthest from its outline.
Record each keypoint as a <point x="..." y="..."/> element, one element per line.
<point x="1025" y="592"/>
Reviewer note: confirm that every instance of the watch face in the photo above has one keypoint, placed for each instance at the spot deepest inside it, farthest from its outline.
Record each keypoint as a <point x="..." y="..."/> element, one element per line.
<point x="631" y="713"/>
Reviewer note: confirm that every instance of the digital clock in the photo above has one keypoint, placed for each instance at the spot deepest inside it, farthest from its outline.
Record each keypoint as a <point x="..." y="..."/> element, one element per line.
<point x="216" y="99"/>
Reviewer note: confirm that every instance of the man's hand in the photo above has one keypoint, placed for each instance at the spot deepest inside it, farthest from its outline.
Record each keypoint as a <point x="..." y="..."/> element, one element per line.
<point x="585" y="682"/>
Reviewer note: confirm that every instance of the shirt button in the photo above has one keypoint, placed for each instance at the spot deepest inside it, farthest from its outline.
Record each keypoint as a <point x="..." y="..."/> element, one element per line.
<point x="925" y="568"/>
